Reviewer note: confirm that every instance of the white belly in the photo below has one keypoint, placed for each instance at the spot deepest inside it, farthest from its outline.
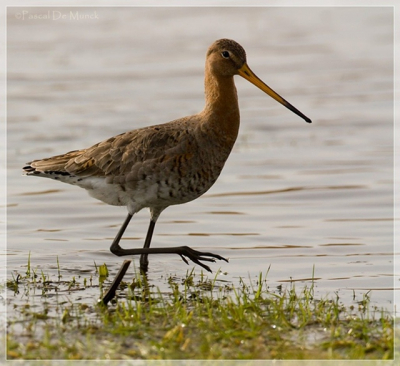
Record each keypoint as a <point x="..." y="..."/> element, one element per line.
<point x="118" y="195"/>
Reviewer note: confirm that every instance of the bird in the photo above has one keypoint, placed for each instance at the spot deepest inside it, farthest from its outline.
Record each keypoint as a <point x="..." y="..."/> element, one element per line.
<point x="166" y="164"/>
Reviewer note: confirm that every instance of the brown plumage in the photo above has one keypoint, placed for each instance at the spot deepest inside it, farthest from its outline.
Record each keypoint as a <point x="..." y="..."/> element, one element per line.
<point x="166" y="164"/>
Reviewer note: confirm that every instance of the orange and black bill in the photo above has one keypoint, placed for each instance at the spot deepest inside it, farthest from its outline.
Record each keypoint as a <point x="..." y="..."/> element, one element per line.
<point x="249" y="75"/>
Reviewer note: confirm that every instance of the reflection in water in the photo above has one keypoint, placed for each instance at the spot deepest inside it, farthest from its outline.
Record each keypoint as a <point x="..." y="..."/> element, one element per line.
<point x="48" y="191"/>
<point x="339" y="244"/>
<point x="293" y="189"/>
<point x="274" y="247"/>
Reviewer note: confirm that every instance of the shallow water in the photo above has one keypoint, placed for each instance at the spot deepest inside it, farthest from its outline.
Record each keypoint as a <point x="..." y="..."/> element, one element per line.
<point x="292" y="196"/>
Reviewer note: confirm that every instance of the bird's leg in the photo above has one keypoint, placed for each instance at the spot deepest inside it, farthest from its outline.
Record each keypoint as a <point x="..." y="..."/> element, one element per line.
<point x="121" y="273"/>
<point x="115" y="248"/>
<point x="194" y="255"/>
<point x="117" y="280"/>
<point x="144" y="262"/>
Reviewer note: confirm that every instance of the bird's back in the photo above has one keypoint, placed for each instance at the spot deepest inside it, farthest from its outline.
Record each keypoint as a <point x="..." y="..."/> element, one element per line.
<point x="166" y="164"/>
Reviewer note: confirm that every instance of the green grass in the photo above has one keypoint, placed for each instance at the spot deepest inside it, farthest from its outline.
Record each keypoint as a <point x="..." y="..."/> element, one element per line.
<point x="199" y="317"/>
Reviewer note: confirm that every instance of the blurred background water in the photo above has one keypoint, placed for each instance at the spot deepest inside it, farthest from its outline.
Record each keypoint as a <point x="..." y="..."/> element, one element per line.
<point x="292" y="196"/>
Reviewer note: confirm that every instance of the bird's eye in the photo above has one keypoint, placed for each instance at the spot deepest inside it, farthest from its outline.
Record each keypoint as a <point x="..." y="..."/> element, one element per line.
<point x="225" y="54"/>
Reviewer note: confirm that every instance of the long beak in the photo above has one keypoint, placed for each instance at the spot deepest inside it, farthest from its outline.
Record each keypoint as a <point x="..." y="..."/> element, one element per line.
<point x="245" y="72"/>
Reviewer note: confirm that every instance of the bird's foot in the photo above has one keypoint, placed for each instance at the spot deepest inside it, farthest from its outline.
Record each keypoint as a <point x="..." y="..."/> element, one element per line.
<point x="196" y="257"/>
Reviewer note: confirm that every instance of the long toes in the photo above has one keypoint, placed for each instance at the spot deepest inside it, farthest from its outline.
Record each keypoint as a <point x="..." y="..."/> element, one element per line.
<point x="212" y="255"/>
<point x="200" y="258"/>
<point x="202" y="265"/>
<point x="184" y="259"/>
<point x="196" y="257"/>
<point x="219" y="257"/>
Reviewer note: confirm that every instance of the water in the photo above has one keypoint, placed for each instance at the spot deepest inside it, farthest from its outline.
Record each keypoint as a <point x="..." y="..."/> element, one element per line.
<point x="293" y="198"/>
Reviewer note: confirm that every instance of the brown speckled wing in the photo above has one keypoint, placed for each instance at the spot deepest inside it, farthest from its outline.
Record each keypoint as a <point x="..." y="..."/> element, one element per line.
<point x="125" y="156"/>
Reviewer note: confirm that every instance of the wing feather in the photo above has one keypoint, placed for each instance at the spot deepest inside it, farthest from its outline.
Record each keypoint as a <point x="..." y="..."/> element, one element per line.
<point x="126" y="157"/>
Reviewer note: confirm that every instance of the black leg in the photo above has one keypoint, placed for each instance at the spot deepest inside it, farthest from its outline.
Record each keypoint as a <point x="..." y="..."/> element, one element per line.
<point x="117" y="280"/>
<point x="184" y="251"/>
<point x="144" y="262"/>
<point x="115" y="244"/>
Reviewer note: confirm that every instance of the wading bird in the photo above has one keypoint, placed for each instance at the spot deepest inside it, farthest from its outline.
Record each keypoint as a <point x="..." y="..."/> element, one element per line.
<point x="167" y="164"/>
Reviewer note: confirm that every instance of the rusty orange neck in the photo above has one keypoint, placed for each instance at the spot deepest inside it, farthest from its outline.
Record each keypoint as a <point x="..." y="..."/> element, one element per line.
<point x="221" y="111"/>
